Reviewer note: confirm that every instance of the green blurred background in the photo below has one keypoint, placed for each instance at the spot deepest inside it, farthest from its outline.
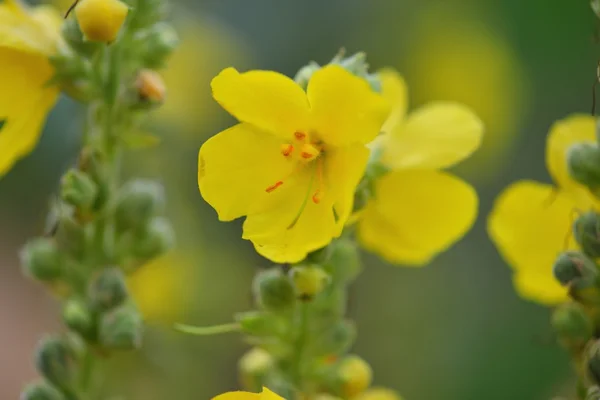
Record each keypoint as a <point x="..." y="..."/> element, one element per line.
<point x="452" y="330"/>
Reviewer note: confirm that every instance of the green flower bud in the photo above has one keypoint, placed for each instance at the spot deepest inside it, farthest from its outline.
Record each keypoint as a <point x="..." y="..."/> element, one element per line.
<point x="336" y="339"/>
<point x="57" y="361"/>
<point x="156" y="239"/>
<point x="273" y="290"/>
<point x="309" y="281"/>
<point x="305" y="73"/>
<point x="158" y="43"/>
<point x="72" y="236"/>
<point x="108" y="289"/>
<point x="121" y="328"/>
<point x="42" y="260"/>
<point x="572" y="325"/>
<point x="344" y="264"/>
<point x="253" y="367"/>
<point x="79" y="317"/>
<point x="71" y="32"/>
<point x="139" y="201"/>
<point x="260" y="323"/>
<point x="41" y="391"/>
<point x="585" y="291"/>
<point x="78" y="189"/>
<point x="573" y="265"/>
<point x="583" y="160"/>
<point x="587" y="233"/>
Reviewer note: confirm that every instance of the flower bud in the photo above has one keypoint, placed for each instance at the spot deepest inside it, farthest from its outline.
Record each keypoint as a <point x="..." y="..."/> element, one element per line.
<point x="71" y="32"/>
<point x="41" y="391"/>
<point x="344" y="262"/>
<point x="156" y="239"/>
<point x="78" y="189"/>
<point x="158" y="44"/>
<point x="259" y="323"/>
<point x="72" y="236"/>
<point x="572" y="325"/>
<point x="79" y="318"/>
<point x="583" y="161"/>
<point x="101" y="20"/>
<point x="139" y="201"/>
<point x="309" y="281"/>
<point x="150" y="89"/>
<point x="379" y="394"/>
<point x="121" y="328"/>
<point x="587" y="233"/>
<point x="273" y="290"/>
<point x="355" y="376"/>
<point x="42" y="260"/>
<point x="305" y="73"/>
<point x="57" y="361"/>
<point x="253" y="367"/>
<point x="572" y="265"/>
<point x="108" y="289"/>
<point x="336" y="339"/>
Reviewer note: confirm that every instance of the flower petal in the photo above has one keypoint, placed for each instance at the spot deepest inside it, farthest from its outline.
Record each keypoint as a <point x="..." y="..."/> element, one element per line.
<point x="564" y="134"/>
<point x="531" y="225"/>
<point x="395" y="92"/>
<point x="269" y="100"/>
<point x="405" y="223"/>
<point x="541" y="288"/>
<point x="345" y="109"/>
<point x="236" y="166"/>
<point x="34" y="30"/>
<point x="24" y="103"/>
<point x="238" y="396"/>
<point x="435" y="136"/>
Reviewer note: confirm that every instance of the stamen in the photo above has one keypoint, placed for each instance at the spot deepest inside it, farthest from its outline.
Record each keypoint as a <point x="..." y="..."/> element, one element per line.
<point x="309" y="152"/>
<point x="318" y="195"/>
<point x="273" y="187"/>
<point x="300" y="135"/>
<point x="287" y="149"/>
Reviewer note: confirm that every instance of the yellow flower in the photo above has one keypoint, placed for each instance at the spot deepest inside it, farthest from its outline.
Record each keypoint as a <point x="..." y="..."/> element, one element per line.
<point x="101" y="20"/>
<point x="418" y="210"/>
<point x="27" y="38"/>
<point x="292" y="164"/>
<point x="379" y="394"/>
<point x="531" y="221"/>
<point x="266" y="394"/>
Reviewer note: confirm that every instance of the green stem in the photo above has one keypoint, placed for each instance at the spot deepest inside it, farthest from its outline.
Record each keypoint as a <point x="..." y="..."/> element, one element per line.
<point x="208" y="330"/>
<point x="300" y="346"/>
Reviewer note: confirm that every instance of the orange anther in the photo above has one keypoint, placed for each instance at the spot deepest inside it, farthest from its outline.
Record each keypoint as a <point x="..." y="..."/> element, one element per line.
<point x="316" y="198"/>
<point x="273" y="187"/>
<point x="309" y="151"/>
<point x="300" y="135"/>
<point x="287" y="149"/>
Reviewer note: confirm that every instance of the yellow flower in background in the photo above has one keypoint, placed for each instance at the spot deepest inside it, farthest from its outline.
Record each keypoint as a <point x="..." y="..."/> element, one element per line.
<point x="292" y="164"/>
<point x="27" y="38"/>
<point x="531" y="222"/>
<point x="460" y="57"/>
<point x="418" y="210"/>
<point x="266" y="394"/>
<point x="379" y="394"/>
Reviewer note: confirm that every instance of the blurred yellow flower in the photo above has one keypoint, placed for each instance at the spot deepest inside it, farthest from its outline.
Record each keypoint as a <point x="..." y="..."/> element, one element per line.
<point x="266" y="394"/>
<point x="27" y="38"/>
<point x="292" y="164"/>
<point x="459" y="57"/>
<point x="378" y="394"/>
<point x="418" y="210"/>
<point x="531" y="221"/>
<point x="101" y="20"/>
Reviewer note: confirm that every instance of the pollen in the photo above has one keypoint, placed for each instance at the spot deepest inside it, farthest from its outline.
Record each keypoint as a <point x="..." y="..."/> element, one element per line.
<point x="300" y="135"/>
<point x="309" y="152"/>
<point x="273" y="187"/>
<point x="287" y="149"/>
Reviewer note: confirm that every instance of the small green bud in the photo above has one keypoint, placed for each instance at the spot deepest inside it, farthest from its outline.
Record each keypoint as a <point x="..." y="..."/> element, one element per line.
<point x="344" y="263"/>
<point x="273" y="290"/>
<point x="305" y="73"/>
<point x="42" y="260"/>
<point x="121" y="328"/>
<point x="139" y="201"/>
<point x="587" y="233"/>
<point x="41" y="391"/>
<point x="253" y="367"/>
<point x="158" y="43"/>
<point x="572" y="325"/>
<point x="74" y="37"/>
<point x="585" y="291"/>
<point x="572" y="265"/>
<point x="309" y="281"/>
<point x="78" y="317"/>
<point x="57" y="361"/>
<point x="78" y="189"/>
<point x="260" y="323"/>
<point x="583" y="160"/>
<point x="108" y="289"/>
<point x="71" y="235"/>
<point x="336" y="339"/>
<point x="156" y="239"/>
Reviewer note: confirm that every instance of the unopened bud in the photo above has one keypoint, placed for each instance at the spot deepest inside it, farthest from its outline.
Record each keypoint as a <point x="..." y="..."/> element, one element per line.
<point x="78" y="189"/>
<point x="158" y="44"/>
<point x="101" y="20"/>
<point x="79" y="318"/>
<point x="336" y="339"/>
<point x="259" y="323"/>
<point x="42" y="260"/>
<point x="344" y="262"/>
<point x="572" y="265"/>
<point x="572" y="325"/>
<point x="156" y="239"/>
<point x="57" y="362"/>
<point x="71" y="235"/>
<point x="121" y="328"/>
<point x="583" y="160"/>
<point x="253" y="367"/>
<point x="305" y="74"/>
<point x="139" y="201"/>
<point x="273" y="290"/>
<point x="71" y="32"/>
<point x="587" y="233"/>
<point x="379" y="394"/>
<point x="309" y="281"/>
<point x="108" y="289"/>
<point x="41" y="391"/>
<point x="355" y="376"/>
<point x="150" y="88"/>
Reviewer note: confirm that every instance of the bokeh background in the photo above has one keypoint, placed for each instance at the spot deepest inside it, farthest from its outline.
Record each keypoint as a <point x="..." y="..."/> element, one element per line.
<point x="452" y="330"/>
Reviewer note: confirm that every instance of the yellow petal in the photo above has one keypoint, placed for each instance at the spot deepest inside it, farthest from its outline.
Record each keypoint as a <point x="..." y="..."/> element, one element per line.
<point x="438" y="135"/>
<point x="345" y="109"/>
<point x="24" y="103"/>
<point x="563" y="134"/>
<point x="531" y="225"/>
<point x="239" y="396"/>
<point x="236" y="167"/>
<point x="34" y="30"/>
<point x="269" y="100"/>
<point x="395" y="92"/>
<point x="539" y="287"/>
<point x="268" y="395"/>
<point x="408" y="221"/>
